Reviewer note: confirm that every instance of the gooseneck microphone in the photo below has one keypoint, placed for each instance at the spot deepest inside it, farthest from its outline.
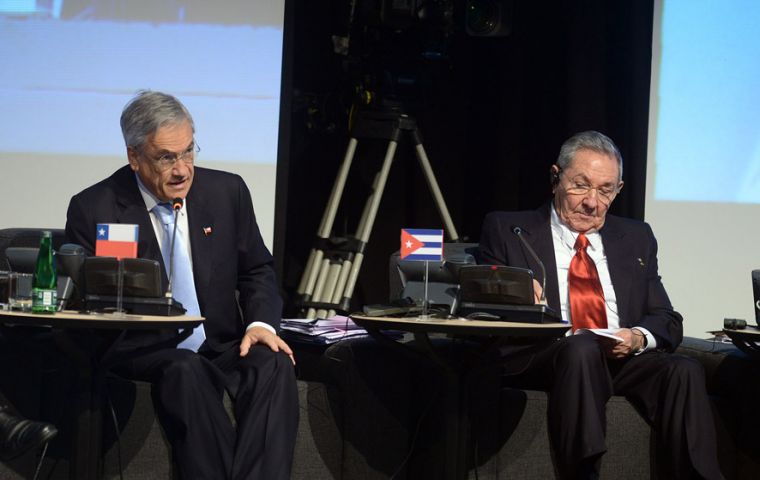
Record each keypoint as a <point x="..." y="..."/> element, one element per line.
<point x="176" y="206"/>
<point x="518" y="231"/>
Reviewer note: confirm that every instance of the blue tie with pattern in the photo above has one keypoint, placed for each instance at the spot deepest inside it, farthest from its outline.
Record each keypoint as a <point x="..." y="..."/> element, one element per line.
<point x="183" y="284"/>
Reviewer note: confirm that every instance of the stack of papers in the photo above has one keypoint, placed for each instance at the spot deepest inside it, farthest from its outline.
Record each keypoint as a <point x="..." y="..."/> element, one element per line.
<point x="602" y="332"/>
<point x="322" y="330"/>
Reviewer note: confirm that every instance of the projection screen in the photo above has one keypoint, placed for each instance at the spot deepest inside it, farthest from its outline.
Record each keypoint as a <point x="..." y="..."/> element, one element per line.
<point x="703" y="177"/>
<point x="69" y="67"/>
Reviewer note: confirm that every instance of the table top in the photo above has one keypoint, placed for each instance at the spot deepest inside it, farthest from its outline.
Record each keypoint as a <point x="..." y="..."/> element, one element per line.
<point x="462" y="326"/>
<point x="746" y="339"/>
<point x="748" y="334"/>
<point x="73" y="319"/>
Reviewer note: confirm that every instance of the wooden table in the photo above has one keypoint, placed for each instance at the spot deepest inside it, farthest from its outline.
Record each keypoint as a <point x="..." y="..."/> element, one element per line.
<point x="93" y="365"/>
<point x="501" y="333"/>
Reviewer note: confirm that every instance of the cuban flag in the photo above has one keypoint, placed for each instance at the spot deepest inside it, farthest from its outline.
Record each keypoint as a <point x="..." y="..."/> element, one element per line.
<point x="421" y="244"/>
<point x="116" y="240"/>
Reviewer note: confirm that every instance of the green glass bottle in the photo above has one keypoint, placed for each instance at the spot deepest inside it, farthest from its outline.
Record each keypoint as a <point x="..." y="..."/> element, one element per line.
<point x="45" y="286"/>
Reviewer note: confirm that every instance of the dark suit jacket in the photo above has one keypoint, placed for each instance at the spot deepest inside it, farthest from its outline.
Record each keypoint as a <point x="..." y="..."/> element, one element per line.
<point x="631" y="251"/>
<point x="232" y="257"/>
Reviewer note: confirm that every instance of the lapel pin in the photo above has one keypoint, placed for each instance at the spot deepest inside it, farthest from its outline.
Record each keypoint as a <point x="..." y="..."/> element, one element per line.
<point x="641" y="262"/>
<point x="207" y="231"/>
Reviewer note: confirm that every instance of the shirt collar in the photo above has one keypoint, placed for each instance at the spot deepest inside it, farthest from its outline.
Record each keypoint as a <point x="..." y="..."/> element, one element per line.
<point x="568" y="236"/>
<point x="151" y="200"/>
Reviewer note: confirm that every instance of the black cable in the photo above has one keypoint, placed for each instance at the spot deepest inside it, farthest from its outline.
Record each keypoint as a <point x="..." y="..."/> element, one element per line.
<point x="417" y="428"/>
<point x="118" y="436"/>
<point x="475" y="458"/>
<point x="39" y="463"/>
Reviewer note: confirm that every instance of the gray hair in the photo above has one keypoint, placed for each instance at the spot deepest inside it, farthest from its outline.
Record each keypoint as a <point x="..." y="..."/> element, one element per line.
<point x="590" y="140"/>
<point x="147" y="112"/>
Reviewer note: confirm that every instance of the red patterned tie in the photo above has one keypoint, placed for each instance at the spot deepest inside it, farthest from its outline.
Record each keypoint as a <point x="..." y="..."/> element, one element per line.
<point x="587" y="307"/>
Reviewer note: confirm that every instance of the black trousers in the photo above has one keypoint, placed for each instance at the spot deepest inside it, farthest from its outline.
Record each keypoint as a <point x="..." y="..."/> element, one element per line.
<point x="668" y="390"/>
<point x="188" y="388"/>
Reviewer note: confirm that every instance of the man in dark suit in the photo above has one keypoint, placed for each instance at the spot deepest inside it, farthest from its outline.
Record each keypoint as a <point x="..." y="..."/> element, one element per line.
<point x="221" y="270"/>
<point x="601" y="272"/>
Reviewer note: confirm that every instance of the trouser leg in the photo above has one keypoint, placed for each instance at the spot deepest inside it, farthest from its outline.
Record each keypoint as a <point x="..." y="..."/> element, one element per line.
<point x="577" y="402"/>
<point x="266" y="408"/>
<point x="574" y="372"/>
<point x="187" y="392"/>
<point x="670" y="390"/>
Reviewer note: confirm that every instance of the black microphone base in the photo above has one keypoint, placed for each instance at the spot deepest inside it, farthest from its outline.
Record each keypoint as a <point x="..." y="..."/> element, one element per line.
<point x="159" y="306"/>
<point x="508" y="313"/>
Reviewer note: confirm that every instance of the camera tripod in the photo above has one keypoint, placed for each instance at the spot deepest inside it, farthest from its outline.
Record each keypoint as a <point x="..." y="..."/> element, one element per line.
<point x="332" y="269"/>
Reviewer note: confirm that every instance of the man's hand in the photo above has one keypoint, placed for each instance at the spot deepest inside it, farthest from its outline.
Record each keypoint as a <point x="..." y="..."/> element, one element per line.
<point x="537" y="291"/>
<point x="255" y="335"/>
<point x="632" y="343"/>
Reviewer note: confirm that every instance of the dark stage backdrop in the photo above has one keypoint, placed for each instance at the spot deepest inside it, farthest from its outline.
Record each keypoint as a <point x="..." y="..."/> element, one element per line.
<point x="493" y="112"/>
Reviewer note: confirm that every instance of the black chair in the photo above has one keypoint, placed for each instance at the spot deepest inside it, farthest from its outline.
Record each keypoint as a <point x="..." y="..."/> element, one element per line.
<point x="25" y="238"/>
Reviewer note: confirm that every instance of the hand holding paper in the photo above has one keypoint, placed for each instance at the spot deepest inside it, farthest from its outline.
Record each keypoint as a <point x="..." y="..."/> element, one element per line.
<point x="607" y="333"/>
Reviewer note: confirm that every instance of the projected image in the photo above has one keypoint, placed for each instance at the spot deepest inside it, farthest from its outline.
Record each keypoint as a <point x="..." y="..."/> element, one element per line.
<point x="708" y="122"/>
<point x="70" y="67"/>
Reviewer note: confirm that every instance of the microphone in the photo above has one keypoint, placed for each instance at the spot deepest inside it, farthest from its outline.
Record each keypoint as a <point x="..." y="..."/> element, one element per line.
<point x="518" y="231"/>
<point x="176" y="206"/>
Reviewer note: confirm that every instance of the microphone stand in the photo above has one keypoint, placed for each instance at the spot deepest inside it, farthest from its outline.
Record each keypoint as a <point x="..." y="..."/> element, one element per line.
<point x="518" y="231"/>
<point x="424" y="315"/>
<point x="119" y="312"/>
<point x="177" y="206"/>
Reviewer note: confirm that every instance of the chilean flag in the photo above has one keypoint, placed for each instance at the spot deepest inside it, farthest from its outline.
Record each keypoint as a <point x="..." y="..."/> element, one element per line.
<point x="116" y="240"/>
<point x="421" y="244"/>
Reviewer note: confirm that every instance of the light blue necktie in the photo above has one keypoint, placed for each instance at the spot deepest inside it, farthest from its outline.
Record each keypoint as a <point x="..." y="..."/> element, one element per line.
<point x="183" y="284"/>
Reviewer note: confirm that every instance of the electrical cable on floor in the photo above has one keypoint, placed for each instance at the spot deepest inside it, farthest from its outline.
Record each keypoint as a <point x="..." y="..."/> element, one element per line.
<point x="42" y="459"/>
<point x="118" y="436"/>
<point x="417" y="429"/>
<point x="475" y="458"/>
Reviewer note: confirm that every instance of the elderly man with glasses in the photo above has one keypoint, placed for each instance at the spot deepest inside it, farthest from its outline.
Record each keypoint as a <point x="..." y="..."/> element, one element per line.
<point x="601" y="273"/>
<point x="220" y="269"/>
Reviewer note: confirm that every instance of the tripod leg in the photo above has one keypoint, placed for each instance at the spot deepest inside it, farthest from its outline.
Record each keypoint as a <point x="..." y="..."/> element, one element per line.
<point x="309" y="275"/>
<point x="347" y="264"/>
<point x="435" y="190"/>
<point x="340" y="286"/>
<point x="308" y="279"/>
<point x="324" y="269"/>
<point x="368" y="205"/>
<point x="337" y="192"/>
<point x="329" y="287"/>
<point x="368" y="220"/>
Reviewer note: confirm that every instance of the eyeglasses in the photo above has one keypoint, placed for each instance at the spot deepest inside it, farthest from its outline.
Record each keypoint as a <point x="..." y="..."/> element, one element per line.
<point x="606" y="193"/>
<point x="167" y="160"/>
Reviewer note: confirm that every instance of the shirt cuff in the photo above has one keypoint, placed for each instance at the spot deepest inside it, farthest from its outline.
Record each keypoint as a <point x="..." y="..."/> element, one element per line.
<point x="651" y="342"/>
<point x="261" y="324"/>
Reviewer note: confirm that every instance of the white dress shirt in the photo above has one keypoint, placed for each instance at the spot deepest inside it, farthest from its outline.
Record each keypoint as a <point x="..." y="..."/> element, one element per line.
<point x="183" y="228"/>
<point x="564" y="250"/>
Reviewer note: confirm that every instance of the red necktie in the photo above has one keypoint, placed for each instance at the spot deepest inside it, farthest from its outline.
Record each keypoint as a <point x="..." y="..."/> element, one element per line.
<point x="587" y="307"/>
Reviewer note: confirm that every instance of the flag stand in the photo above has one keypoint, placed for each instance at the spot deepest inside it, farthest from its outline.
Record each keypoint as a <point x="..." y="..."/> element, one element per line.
<point x="119" y="312"/>
<point x="328" y="281"/>
<point x="424" y="315"/>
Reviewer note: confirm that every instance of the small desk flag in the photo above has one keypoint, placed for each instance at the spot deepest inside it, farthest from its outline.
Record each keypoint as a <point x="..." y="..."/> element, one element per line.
<point x="116" y="240"/>
<point x="421" y="244"/>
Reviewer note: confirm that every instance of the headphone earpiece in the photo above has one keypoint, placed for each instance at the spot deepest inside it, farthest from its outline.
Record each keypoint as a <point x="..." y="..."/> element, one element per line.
<point x="554" y="177"/>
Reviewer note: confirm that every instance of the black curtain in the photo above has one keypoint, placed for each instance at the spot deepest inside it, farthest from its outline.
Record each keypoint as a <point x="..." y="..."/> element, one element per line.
<point x="493" y="112"/>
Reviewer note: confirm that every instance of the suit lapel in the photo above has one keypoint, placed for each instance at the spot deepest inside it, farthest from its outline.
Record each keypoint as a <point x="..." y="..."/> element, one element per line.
<point x="619" y="263"/>
<point x="539" y="235"/>
<point x="132" y="210"/>
<point x="201" y="224"/>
